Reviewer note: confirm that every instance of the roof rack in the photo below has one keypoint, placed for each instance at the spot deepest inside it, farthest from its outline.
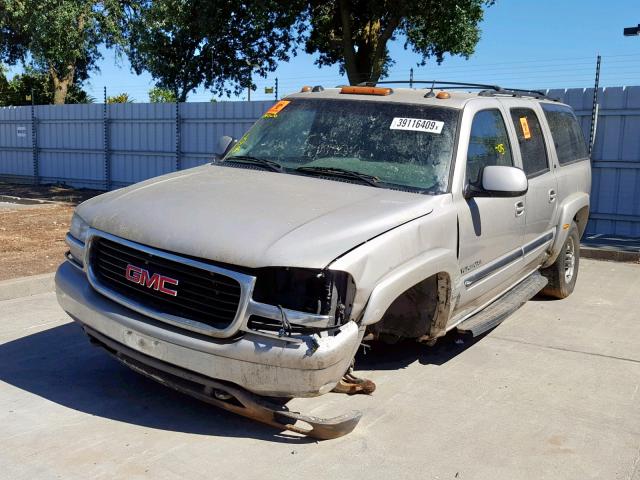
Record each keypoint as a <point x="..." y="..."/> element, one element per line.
<point x="486" y="89"/>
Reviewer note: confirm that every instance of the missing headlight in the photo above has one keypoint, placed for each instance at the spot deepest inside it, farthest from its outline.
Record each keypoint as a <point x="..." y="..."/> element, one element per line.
<point x="321" y="292"/>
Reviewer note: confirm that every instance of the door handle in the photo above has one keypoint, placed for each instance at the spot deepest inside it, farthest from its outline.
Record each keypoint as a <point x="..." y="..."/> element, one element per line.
<point x="552" y="195"/>
<point x="519" y="208"/>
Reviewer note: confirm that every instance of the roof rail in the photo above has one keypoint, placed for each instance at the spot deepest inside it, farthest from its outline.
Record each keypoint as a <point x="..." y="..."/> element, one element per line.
<point x="486" y="89"/>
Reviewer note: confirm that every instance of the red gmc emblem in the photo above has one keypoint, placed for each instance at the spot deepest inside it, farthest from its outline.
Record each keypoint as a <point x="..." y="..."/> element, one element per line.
<point x="156" y="281"/>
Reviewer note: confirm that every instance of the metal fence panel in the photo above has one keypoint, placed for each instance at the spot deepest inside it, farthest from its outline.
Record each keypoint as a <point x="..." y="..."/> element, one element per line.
<point x="16" y="142"/>
<point x="102" y="146"/>
<point x="615" y="192"/>
<point x="98" y="146"/>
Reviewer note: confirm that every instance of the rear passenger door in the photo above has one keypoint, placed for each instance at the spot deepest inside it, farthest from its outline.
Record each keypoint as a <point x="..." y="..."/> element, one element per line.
<point x="542" y="197"/>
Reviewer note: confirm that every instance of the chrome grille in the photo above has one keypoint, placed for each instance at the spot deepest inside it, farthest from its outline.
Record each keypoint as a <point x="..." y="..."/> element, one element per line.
<point x="203" y="296"/>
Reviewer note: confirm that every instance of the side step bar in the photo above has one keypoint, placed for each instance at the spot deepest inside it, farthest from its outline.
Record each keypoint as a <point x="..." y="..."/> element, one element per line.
<point x="227" y="395"/>
<point x="492" y="315"/>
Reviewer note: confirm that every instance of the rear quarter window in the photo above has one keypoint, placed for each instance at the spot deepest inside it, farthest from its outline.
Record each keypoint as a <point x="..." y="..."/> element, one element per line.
<point x="566" y="133"/>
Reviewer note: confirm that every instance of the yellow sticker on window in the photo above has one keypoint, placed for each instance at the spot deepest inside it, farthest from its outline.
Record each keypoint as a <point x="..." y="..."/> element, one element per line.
<point x="239" y="143"/>
<point x="276" y="109"/>
<point x="525" y="128"/>
<point x="500" y="148"/>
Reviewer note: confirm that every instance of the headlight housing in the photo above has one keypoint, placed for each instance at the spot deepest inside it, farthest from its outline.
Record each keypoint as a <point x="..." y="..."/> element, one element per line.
<point x="319" y="292"/>
<point x="77" y="238"/>
<point x="79" y="228"/>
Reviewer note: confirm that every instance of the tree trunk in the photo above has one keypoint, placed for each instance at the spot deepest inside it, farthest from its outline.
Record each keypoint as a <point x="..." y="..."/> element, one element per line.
<point x="61" y="84"/>
<point x="63" y="80"/>
<point x="367" y="63"/>
<point x="348" y="51"/>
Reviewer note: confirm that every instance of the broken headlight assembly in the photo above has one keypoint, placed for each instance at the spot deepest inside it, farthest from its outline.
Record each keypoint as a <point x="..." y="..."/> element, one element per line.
<point x="319" y="293"/>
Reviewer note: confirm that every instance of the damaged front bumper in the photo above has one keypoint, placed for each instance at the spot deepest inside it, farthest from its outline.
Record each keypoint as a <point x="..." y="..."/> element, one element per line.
<point x="228" y="396"/>
<point x="262" y="365"/>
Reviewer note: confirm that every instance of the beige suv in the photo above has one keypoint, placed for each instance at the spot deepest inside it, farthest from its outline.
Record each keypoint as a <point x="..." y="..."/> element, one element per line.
<point x="395" y="213"/>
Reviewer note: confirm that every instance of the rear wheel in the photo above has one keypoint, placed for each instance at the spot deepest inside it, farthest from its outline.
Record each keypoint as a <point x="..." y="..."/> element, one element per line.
<point x="563" y="273"/>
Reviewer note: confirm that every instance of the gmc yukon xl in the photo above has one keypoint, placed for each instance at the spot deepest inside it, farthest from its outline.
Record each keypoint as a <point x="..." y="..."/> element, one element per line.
<point x="343" y="214"/>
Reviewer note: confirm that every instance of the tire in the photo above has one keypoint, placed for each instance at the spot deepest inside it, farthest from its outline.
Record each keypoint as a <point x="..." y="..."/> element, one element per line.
<point x="563" y="273"/>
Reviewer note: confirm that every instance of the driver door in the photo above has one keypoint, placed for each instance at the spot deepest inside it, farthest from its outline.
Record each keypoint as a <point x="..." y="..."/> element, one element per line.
<point x="491" y="228"/>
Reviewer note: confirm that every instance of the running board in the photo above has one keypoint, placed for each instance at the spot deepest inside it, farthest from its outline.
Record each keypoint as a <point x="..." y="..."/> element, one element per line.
<point x="227" y="396"/>
<point x="493" y="315"/>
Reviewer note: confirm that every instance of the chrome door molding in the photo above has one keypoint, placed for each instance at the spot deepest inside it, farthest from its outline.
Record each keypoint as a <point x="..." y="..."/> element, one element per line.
<point x="507" y="259"/>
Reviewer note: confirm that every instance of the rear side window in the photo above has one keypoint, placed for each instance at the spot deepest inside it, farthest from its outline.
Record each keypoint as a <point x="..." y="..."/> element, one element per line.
<point x="488" y="145"/>
<point x="531" y="141"/>
<point x="566" y="133"/>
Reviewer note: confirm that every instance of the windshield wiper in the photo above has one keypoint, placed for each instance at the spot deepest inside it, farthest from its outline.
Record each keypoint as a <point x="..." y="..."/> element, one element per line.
<point x="263" y="162"/>
<point x="341" y="172"/>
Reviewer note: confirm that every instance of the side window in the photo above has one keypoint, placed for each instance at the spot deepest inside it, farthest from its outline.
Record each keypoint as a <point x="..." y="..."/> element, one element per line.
<point x="488" y="144"/>
<point x="531" y="141"/>
<point x="566" y="133"/>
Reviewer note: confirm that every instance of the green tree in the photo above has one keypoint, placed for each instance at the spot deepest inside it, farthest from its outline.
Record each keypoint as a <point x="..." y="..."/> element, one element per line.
<point x="21" y="87"/>
<point x="120" y="98"/>
<point x="161" y="95"/>
<point x="188" y="43"/>
<point x="61" y="37"/>
<point x="4" y="84"/>
<point x="355" y="33"/>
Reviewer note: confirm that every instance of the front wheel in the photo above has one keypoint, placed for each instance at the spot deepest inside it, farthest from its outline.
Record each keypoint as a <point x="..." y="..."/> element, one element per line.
<point x="563" y="273"/>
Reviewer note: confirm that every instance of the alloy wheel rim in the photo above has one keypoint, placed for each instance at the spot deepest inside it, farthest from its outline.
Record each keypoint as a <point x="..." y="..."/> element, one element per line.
<point x="569" y="260"/>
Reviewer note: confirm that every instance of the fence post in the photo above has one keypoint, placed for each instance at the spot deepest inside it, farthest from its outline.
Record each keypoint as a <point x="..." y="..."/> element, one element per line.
<point x="178" y="131"/>
<point x="107" y="153"/>
<point x="34" y="144"/>
<point x="594" y="108"/>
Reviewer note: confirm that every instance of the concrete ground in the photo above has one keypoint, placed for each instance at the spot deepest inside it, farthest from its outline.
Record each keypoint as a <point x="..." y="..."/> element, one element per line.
<point x="13" y="206"/>
<point x="552" y="393"/>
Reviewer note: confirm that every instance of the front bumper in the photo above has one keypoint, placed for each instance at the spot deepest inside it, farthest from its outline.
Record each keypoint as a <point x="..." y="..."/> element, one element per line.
<point x="266" y="366"/>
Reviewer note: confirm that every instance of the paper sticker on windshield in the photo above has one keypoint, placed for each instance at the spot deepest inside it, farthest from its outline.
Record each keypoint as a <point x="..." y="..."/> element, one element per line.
<point x="526" y="133"/>
<point x="416" y="124"/>
<point x="276" y="109"/>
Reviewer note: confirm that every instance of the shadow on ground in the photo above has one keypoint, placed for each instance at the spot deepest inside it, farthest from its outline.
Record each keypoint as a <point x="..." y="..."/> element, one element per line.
<point x="380" y="356"/>
<point x="61" y="365"/>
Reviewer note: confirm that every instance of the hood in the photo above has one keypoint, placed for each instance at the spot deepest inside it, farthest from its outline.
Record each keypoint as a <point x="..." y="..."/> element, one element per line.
<point x="252" y="218"/>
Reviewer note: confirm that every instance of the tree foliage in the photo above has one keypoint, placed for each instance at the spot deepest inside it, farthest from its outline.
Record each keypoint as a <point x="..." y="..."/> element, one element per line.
<point x="217" y="44"/>
<point x="21" y="87"/>
<point x="61" y="37"/>
<point x="161" y="95"/>
<point x="355" y="33"/>
<point x="120" y="98"/>
<point x="220" y="44"/>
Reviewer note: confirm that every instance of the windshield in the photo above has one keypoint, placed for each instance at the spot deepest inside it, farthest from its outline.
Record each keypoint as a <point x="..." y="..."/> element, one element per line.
<point x="404" y="145"/>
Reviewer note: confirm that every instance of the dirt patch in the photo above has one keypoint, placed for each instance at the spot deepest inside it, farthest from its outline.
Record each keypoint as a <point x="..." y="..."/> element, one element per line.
<point x="55" y="193"/>
<point x="32" y="238"/>
<point x="32" y="235"/>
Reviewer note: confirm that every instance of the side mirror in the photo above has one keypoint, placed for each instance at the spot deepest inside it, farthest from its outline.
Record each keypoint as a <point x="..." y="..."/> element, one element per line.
<point x="225" y="144"/>
<point x="499" y="181"/>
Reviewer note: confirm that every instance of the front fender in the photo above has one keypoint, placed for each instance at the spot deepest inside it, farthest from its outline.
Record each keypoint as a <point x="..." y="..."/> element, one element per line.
<point x="574" y="203"/>
<point x="405" y="276"/>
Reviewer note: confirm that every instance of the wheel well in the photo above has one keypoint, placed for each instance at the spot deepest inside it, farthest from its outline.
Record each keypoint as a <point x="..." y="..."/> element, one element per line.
<point x="420" y="311"/>
<point x="581" y="218"/>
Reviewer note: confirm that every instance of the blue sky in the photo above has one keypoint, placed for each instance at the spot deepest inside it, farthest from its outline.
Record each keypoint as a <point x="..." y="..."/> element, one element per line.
<point x="526" y="44"/>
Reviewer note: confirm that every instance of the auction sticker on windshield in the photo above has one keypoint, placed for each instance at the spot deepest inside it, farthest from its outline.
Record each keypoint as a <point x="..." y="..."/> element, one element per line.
<point x="275" y="109"/>
<point x="416" y="124"/>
